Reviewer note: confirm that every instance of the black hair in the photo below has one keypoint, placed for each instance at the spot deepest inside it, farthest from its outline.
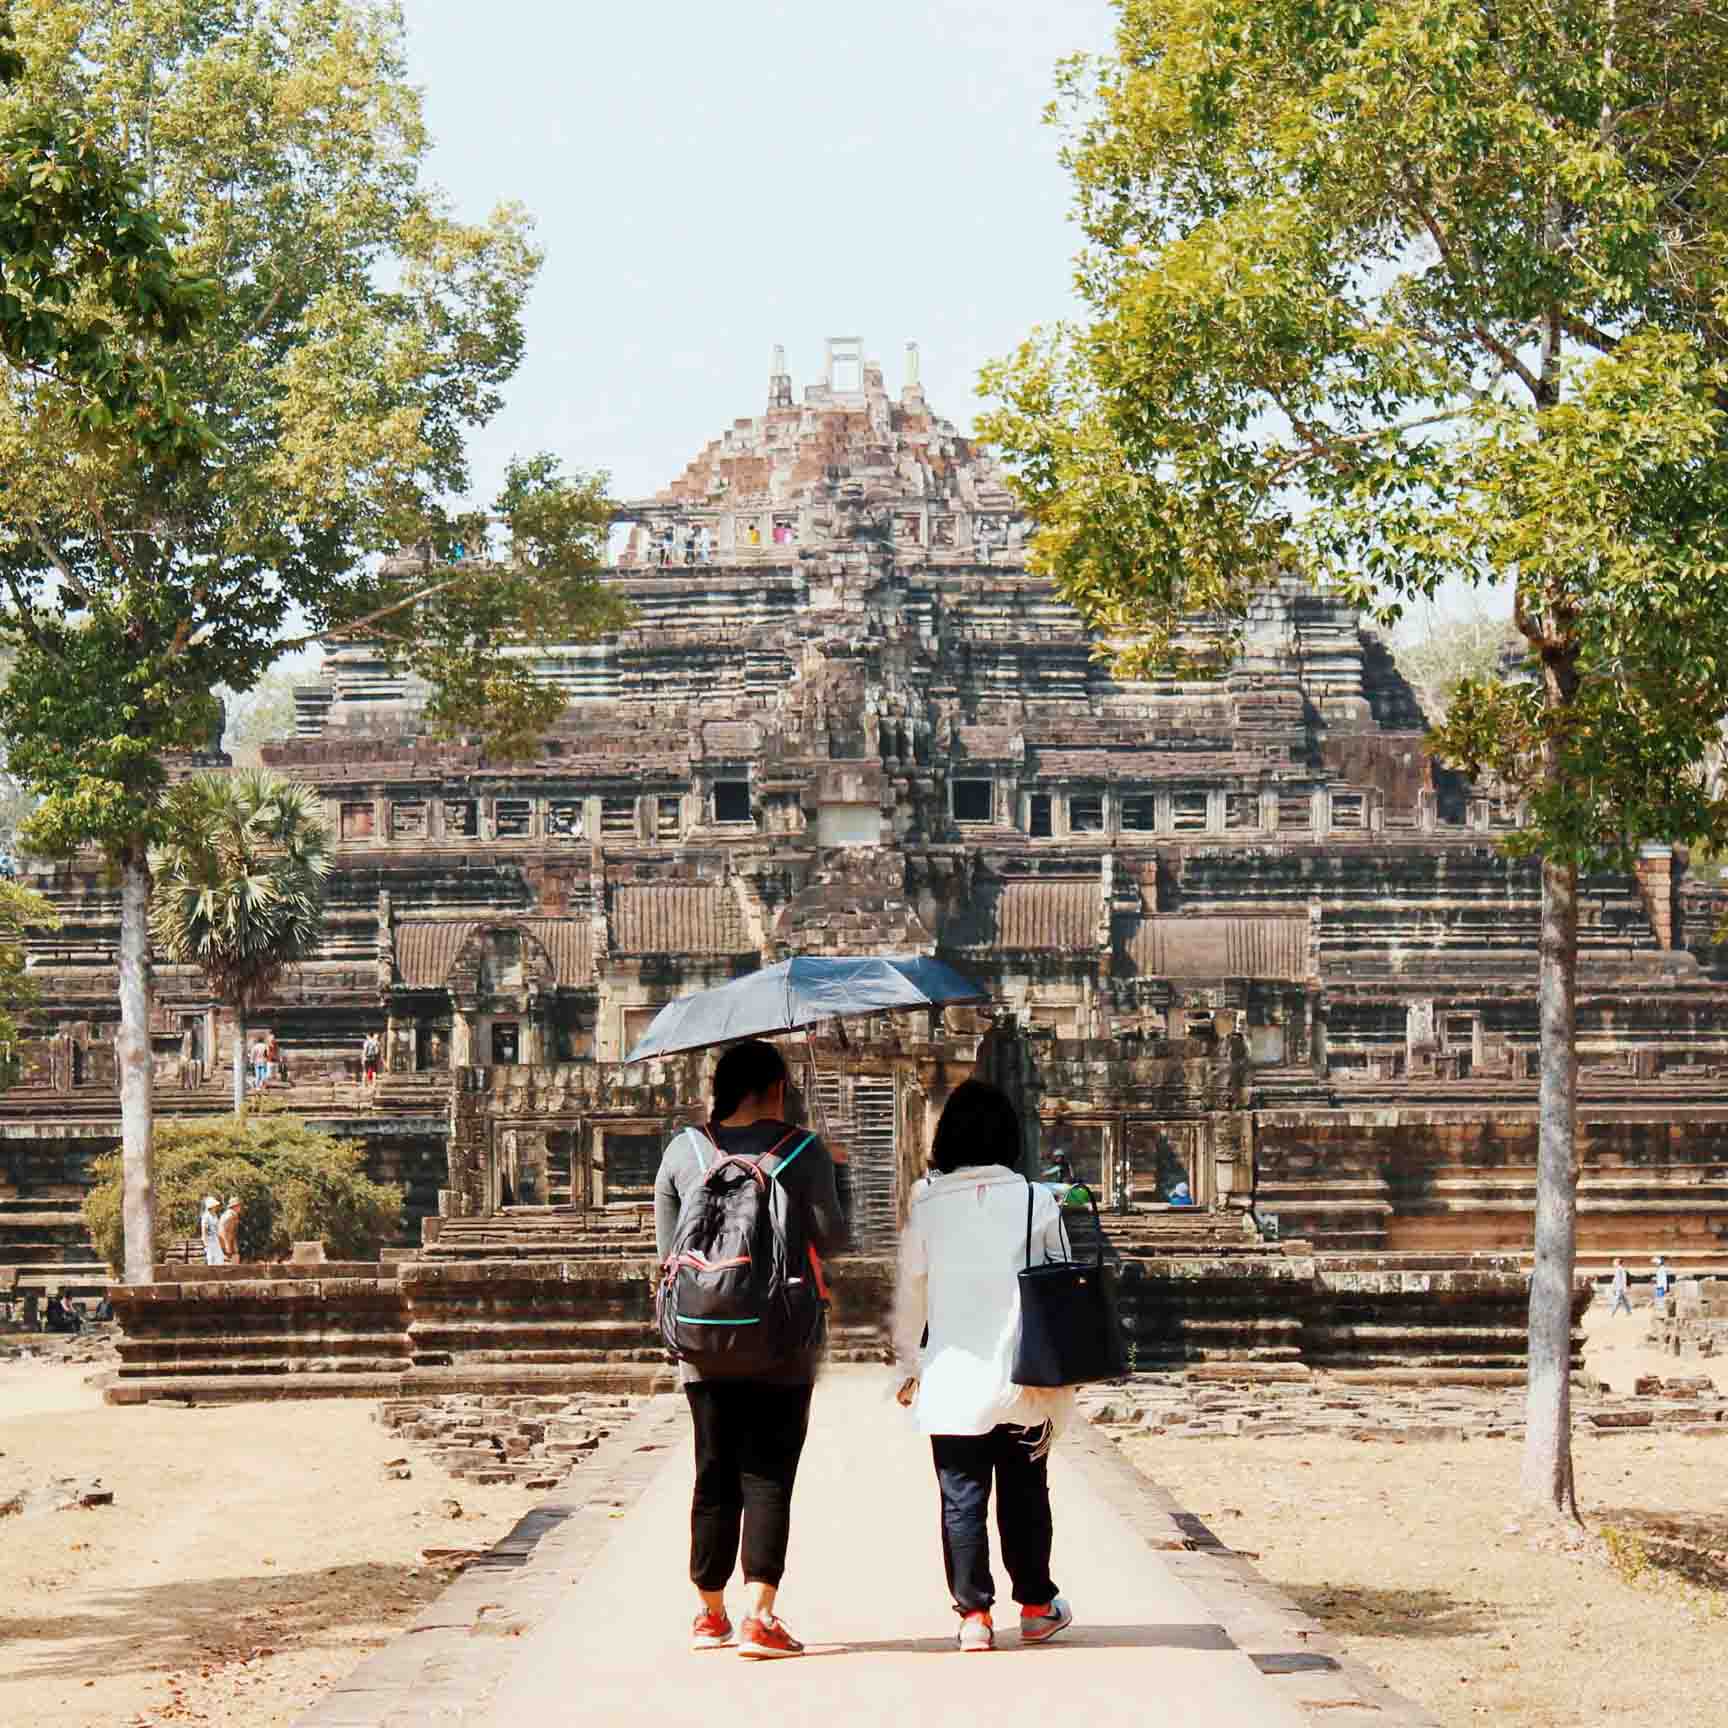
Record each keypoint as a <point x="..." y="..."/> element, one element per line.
<point x="978" y="1126"/>
<point x="745" y="1071"/>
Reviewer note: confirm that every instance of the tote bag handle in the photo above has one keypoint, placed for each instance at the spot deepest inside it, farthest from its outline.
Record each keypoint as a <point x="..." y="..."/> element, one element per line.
<point x="1061" y="1226"/>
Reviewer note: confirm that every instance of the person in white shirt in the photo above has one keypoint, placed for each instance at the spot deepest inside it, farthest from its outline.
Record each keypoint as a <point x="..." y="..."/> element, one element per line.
<point x="209" y="1226"/>
<point x="956" y="1323"/>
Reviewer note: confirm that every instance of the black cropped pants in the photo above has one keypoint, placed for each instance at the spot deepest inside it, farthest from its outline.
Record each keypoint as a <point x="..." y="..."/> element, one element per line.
<point x="749" y="1438"/>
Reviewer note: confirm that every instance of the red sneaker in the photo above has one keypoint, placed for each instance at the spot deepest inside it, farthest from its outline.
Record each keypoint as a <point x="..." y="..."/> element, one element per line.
<point x="712" y="1630"/>
<point x="767" y="1638"/>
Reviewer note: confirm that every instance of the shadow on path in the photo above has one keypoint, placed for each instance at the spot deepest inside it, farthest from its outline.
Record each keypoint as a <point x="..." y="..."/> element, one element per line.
<point x="1075" y="1638"/>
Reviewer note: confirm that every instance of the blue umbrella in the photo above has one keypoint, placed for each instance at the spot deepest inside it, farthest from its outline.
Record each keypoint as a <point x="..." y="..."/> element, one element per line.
<point x="800" y="993"/>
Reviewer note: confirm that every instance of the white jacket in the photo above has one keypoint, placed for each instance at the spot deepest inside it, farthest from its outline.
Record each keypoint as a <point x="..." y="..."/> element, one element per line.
<point x="964" y="1243"/>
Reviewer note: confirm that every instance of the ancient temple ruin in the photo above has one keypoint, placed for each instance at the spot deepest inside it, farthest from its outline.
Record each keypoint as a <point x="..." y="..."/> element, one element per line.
<point x="1258" y="945"/>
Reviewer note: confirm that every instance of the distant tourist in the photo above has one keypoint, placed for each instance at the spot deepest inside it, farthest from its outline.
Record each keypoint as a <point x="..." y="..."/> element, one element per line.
<point x="749" y="1427"/>
<point x="704" y="546"/>
<point x="228" y="1232"/>
<point x="272" y="1058"/>
<point x="956" y="1319"/>
<point x="61" y="1315"/>
<point x="260" y="1064"/>
<point x="370" y="1051"/>
<point x="1180" y="1193"/>
<point x="209" y="1228"/>
<point x="1622" y="1291"/>
<point x="1664" y="1278"/>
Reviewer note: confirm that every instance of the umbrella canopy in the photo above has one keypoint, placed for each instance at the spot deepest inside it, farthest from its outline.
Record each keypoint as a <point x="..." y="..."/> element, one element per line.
<point x="799" y="993"/>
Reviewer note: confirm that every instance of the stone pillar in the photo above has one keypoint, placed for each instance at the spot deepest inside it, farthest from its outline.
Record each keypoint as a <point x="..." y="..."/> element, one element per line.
<point x="1659" y="883"/>
<point x="462" y="1039"/>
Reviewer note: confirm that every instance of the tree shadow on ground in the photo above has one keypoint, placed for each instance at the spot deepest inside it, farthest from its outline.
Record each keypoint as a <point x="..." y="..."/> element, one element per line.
<point x="1394" y="1613"/>
<point x="173" y="1625"/>
<point x="1688" y="1545"/>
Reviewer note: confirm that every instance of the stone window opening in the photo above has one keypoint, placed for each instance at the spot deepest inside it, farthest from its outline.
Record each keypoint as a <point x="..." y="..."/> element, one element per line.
<point x="1296" y="810"/>
<point x="668" y="818"/>
<point x="408" y="821"/>
<point x="506" y="1043"/>
<point x="732" y="801"/>
<point x="1140" y="814"/>
<point x="974" y="800"/>
<point x="1188" y="813"/>
<point x="1241" y="810"/>
<point x="356" y="821"/>
<point x="566" y="819"/>
<point x="1086" y="813"/>
<point x="513" y="818"/>
<point x="1039" y="823"/>
<point x="618" y="817"/>
<point x="1347" y="810"/>
<point x="460" y="818"/>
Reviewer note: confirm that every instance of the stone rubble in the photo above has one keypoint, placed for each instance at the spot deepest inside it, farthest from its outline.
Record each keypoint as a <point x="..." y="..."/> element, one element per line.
<point x="497" y="1438"/>
<point x="1253" y="1408"/>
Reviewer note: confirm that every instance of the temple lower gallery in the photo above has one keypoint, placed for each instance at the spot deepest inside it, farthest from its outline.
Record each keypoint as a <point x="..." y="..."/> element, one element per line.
<point x="1249" y="944"/>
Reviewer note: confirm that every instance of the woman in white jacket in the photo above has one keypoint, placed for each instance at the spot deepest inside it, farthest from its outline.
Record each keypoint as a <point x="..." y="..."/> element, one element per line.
<point x="956" y="1322"/>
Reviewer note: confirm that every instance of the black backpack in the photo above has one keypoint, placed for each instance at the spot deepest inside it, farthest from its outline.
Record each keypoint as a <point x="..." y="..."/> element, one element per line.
<point x="741" y="1292"/>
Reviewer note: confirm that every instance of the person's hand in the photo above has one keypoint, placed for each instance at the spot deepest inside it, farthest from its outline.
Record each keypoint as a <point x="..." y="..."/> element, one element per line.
<point x="908" y="1390"/>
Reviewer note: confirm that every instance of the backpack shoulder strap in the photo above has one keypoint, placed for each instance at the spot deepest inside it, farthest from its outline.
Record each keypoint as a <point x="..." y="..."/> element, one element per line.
<point x="699" y="1138"/>
<point x="781" y="1163"/>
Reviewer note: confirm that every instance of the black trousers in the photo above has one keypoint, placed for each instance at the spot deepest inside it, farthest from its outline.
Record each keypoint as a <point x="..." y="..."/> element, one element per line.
<point x="965" y="1467"/>
<point x="749" y="1438"/>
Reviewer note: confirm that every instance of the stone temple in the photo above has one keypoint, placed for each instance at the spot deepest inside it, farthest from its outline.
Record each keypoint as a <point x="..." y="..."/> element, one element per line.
<point x="1245" y="933"/>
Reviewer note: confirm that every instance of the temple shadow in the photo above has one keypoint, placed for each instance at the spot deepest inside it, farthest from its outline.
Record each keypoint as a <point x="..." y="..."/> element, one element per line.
<point x="165" y="1626"/>
<point x="1154" y="1637"/>
<point x="1392" y="1613"/>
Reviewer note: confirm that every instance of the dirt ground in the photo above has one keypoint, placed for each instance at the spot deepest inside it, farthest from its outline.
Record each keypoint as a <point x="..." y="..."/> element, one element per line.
<point x="252" y="1554"/>
<point x="1416" y="1557"/>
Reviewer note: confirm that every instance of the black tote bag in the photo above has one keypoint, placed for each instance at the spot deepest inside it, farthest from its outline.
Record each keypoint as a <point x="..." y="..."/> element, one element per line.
<point x="1070" y="1327"/>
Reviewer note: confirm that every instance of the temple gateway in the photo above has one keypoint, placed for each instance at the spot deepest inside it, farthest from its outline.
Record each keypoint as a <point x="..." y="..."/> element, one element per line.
<point x="1250" y="943"/>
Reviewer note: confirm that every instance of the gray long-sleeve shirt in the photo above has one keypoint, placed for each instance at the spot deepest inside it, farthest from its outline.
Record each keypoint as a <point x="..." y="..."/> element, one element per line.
<point x="809" y="1183"/>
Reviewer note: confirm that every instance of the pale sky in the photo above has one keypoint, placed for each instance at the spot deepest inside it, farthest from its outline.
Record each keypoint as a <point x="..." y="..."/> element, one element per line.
<point x="711" y="177"/>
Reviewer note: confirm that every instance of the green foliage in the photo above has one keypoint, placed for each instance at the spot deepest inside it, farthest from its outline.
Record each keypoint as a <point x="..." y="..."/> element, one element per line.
<point x="239" y="880"/>
<point x="1397" y="295"/>
<point x="351" y="335"/>
<point x="1452" y="648"/>
<point x="20" y="911"/>
<point x="297" y="1186"/>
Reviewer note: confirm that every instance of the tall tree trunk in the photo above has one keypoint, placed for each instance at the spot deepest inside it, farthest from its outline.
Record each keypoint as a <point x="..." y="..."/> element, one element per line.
<point x="137" y="1070"/>
<point x="240" y="1062"/>
<point x="1548" y="1483"/>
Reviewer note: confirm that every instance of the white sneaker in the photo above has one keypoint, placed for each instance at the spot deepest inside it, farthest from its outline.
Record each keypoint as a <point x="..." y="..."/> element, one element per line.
<point x="977" y="1633"/>
<point x="1041" y="1627"/>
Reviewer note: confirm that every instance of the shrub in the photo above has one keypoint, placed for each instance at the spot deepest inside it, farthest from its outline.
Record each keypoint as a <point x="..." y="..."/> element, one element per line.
<point x="296" y="1185"/>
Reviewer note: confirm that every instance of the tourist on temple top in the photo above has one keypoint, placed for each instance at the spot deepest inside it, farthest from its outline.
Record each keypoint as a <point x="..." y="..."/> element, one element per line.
<point x="749" y="1402"/>
<point x="228" y="1232"/>
<point x="209" y="1228"/>
<point x="370" y="1051"/>
<point x="956" y="1324"/>
<point x="1622" y="1292"/>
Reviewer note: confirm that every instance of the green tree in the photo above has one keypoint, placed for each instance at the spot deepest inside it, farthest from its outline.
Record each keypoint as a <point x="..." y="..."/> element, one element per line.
<point x="296" y="1185"/>
<point x="353" y="335"/>
<point x="1399" y="293"/>
<point x="239" y="888"/>
<point x="265" y="713"/>
<point x="1450" y="648"/>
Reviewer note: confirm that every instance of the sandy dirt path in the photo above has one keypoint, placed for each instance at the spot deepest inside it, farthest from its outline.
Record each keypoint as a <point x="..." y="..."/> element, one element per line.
<point x="252" y="1554"/>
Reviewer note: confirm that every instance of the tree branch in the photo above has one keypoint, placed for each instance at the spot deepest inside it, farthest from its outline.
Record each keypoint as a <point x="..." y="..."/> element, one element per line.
<point x="382" y="613"/>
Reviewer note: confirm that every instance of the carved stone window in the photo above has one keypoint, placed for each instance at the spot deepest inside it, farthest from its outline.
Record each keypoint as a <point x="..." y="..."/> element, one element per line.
<point x="408" y="821"/>
<point x="1085" y="812"/>
<point x="461" y="819"/>
<point x="1188" y="812"/>
<point x="630" y="1160"/>
<point x="506" y="1043"/>
<point x="1296" y="810"/>
<point x="974" y="800"/>
<point x="1347" y="810"/>
<point x="514" y="818"/>
<point x="732" y="801"/>
<point x="566" y="819"/>
<point x="1241" y="810"/>
<point x="1139" y="813"/>
<point x="618" y="817"/>
<point x="1039" y="823"/>
<point x="668" y="818"/>
<point x="357" y="820"/>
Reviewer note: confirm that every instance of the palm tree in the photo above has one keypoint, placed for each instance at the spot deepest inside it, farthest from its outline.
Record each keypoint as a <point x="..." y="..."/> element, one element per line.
<point x="239" y="887"/>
